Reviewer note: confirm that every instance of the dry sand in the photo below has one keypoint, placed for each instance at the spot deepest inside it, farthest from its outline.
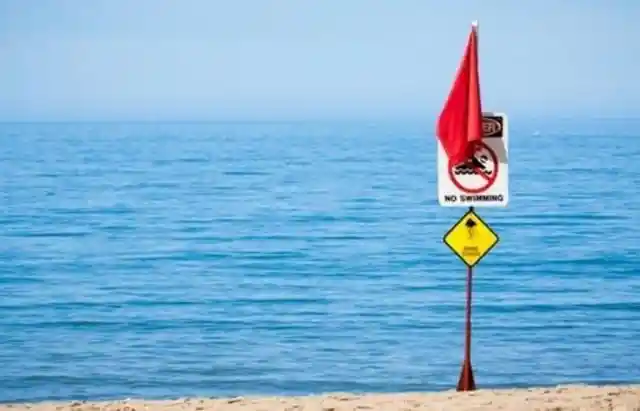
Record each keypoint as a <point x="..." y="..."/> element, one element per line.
<point x="565" y="398"/>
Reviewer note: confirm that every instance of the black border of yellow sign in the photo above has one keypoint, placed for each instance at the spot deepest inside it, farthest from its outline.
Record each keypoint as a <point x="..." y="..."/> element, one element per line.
<point x="472" y="211"/>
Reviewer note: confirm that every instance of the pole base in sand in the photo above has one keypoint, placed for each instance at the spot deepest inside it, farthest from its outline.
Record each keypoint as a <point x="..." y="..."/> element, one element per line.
<point x="466" y="381"/>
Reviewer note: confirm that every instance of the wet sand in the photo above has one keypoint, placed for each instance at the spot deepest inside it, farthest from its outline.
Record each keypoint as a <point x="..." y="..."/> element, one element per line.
<point x="561" y="398"/>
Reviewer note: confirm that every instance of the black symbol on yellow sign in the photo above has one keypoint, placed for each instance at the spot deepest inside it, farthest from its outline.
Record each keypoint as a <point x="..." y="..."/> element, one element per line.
<point x="470" y="224"/>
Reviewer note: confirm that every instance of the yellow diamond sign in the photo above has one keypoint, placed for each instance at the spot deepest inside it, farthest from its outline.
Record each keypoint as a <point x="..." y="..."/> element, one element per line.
<point x="471" y="238"/>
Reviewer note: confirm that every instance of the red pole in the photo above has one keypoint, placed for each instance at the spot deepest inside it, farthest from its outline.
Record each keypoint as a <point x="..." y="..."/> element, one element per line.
<point x="466" y="381"/>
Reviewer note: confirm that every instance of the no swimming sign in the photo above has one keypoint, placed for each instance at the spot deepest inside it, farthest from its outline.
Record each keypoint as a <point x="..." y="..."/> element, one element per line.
<point x="484" y="180"/>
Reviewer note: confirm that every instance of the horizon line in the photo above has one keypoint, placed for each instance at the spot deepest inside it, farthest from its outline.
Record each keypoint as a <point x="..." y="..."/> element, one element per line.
<point x="323" y="119"/>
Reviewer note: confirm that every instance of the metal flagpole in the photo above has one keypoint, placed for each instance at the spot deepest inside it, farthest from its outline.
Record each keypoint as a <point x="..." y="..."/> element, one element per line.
<point x="466" y="381"/>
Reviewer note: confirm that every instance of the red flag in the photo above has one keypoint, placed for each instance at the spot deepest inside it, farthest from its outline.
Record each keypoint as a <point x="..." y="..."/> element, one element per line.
<point x="460" y="122"/>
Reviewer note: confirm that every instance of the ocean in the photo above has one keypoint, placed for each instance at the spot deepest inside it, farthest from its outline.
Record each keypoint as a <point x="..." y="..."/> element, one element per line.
<point x="217" y="259"/>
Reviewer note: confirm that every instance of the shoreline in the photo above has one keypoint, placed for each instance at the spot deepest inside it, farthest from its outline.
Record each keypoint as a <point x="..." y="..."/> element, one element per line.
<point x="559" y="398"/>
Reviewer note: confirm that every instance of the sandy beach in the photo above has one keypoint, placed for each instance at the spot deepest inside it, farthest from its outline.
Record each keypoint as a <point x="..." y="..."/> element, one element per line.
<point x="561" y="398"/>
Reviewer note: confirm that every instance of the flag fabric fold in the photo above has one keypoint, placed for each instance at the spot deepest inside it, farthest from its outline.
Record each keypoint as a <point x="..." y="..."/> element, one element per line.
<point x="459" y="127"/>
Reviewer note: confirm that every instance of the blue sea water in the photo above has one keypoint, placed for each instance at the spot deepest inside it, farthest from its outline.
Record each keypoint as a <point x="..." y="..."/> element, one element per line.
<point x="166" y="260"/>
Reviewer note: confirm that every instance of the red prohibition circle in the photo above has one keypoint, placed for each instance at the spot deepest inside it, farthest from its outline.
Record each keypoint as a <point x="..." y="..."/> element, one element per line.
<point x="489" y="180"/>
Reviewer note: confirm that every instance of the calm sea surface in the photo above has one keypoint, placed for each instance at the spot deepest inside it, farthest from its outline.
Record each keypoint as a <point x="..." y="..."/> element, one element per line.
<point x="166" y="260"/>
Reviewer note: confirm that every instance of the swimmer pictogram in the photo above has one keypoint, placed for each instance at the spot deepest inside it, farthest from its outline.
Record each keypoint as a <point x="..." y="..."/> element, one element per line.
<point x="479" y="173"/>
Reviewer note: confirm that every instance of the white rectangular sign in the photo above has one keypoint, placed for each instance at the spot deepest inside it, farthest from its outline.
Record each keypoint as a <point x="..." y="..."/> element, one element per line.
<point x="485" y="181"/>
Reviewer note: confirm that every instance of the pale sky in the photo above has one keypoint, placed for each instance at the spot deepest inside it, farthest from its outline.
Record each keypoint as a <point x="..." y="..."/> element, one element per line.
<point x="277" y="59"/>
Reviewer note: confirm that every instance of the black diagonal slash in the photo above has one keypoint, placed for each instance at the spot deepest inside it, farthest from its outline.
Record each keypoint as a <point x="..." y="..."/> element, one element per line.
<point x="470" y="224"/>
